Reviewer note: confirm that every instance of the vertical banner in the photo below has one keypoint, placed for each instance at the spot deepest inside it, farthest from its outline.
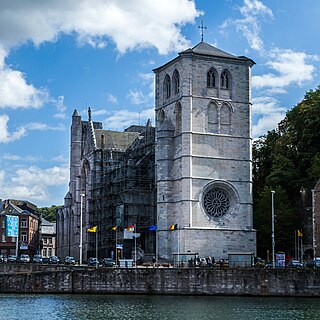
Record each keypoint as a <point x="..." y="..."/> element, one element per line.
<point x="12" y="226"/>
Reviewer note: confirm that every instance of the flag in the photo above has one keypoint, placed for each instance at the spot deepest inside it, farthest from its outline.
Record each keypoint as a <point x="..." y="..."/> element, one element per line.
<point x="153" y="228"/>
<point x="93" y="229"/>
<point x="173" y="227"/>
<point x="300" y="233"/>
<point x="130" y="228"/>
<point x="114" y="228"/>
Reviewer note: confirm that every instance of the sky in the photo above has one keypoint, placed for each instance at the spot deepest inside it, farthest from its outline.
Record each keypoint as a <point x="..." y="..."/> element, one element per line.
<point x="57" y="56"/>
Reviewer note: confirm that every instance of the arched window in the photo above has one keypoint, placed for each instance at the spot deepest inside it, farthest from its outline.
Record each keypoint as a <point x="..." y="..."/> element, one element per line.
<point x="178" y="117"/>
<point x="211" y="78"/>
<point x="213" y="118"/>
<point x="161" y="117"/>
<point x="167" y="87"/>
<point x="225" y="119"/>
<point x="176" y="82"/>
<point x="225" y="81"/>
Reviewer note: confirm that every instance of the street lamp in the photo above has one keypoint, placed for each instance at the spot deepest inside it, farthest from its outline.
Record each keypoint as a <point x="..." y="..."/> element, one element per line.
<point x="314" y="245"/>
<point x="272" y="219"/>
<point x="80" y="245"/>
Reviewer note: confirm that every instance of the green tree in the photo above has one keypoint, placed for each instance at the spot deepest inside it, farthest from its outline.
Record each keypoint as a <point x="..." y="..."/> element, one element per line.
<point x="49" y="213"/>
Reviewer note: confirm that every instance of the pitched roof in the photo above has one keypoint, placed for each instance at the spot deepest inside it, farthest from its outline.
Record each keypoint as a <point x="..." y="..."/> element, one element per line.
<point x="209" y="50"/>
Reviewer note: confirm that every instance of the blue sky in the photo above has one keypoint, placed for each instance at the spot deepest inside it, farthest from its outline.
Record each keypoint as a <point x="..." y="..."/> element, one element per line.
<point x="56" y="56"/>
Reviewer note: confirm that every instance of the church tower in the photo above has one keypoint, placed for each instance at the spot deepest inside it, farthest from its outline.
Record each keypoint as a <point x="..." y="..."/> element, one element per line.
<point x="203" y="154"/>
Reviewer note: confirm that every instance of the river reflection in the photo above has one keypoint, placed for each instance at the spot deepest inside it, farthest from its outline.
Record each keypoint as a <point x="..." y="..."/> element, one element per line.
<point x="147" y="307"/>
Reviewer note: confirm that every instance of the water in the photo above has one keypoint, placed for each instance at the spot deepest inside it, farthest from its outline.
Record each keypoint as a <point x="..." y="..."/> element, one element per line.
<point x="147" y="307"/>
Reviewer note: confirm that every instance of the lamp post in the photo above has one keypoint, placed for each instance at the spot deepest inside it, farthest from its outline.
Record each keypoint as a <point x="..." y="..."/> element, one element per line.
<point x="272" y="221"/>
<point x="314" y="245"/>
<point x="80" y="245"/>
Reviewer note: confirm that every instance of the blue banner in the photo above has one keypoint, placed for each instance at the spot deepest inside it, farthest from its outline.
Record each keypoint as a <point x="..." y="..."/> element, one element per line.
<point x="12" y="226"/>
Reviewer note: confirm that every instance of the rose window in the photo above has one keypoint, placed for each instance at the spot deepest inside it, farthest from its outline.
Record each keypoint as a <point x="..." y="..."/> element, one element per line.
<point x="216" y="202"/>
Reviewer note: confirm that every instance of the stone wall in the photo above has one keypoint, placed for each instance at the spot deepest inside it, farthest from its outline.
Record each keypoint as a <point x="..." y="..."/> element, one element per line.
<point x="257" y="282"/>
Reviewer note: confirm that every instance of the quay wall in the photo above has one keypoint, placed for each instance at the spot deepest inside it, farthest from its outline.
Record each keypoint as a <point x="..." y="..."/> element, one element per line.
<point x="184" y="281"/>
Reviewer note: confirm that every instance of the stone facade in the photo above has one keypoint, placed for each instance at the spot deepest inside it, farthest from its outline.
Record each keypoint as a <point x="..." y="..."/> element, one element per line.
<point x="199" y="155"/>
<point x="111" y="184"/>
<point x="203" y="153"/>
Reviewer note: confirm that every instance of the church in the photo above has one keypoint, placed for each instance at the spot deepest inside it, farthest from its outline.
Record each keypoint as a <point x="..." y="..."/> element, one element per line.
<point x="185" y="184"/>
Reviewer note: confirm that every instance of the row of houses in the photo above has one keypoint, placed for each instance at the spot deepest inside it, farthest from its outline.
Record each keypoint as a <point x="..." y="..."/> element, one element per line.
<point x="34" y="234"/>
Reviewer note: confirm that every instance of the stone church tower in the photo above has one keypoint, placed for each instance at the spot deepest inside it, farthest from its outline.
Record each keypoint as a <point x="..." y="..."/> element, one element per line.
<point x="203" y="154"/>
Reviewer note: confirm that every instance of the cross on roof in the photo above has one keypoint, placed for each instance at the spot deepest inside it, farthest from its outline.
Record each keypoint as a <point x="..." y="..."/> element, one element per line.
<point x="202" y="27"/>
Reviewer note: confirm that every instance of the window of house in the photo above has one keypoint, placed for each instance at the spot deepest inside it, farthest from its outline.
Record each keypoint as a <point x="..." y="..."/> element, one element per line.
<point x="225" y="80"/>
<point x="44" y="252"/>
<point x="24" y="237"/>
<point x="167" y="87"/>
<point x="176" y="82"/>
<point x="50" y="240"/>
<point x="49" y="252"/>
<point x="213" y="118"/>
<point x="211" y="78"/>
<point x="45" y="240"/>
<point x="24" y="223"/>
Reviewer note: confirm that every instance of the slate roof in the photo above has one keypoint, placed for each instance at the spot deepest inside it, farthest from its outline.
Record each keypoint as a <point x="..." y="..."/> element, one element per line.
<point x="114" y="139"/>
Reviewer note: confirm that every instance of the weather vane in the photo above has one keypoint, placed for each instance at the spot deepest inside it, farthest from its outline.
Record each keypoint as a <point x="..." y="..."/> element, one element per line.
<point x="202" y="27"/>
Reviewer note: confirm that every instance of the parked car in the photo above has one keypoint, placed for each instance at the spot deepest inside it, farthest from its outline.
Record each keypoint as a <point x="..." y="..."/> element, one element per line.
<point x="69" y="260"/>
<point x="315" y="263"/>
<point x="37" y="258"/>
<point x="93" y="262"/>
<point x="24" y="258"/>
<point x="54" y="260"/>
<point x="108" y="262"/>
<point x="12" y="258"/>
<point x="295" y="264"/>
<point x="45" y="260"/>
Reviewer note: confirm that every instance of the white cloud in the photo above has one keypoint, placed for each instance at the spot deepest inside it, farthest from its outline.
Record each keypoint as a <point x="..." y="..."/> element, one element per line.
<point x="253" y="11"/>
<point x="15" y="157"/>
<point x="32" y="183"/>
<point x="125" y="118"/>
<point x="290" y="67"/>
<point x="266" y="123"/>
<point x="111" y="98"/>
<point x="136" y="97"/>
<point x="5" y="135"/>
<point x="130" y="24"/>
<point x="15" y="92"/>
<point x="270" y="113"/>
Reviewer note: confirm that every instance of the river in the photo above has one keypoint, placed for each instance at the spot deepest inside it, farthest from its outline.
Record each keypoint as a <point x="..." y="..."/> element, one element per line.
<point x="150" y="307"/>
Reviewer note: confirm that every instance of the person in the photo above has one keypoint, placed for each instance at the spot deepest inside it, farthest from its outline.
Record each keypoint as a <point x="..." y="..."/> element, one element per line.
<point x="154" y="261"/>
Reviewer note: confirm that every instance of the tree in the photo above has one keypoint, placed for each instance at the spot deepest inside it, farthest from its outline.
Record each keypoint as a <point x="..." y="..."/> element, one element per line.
<point x="49" y="213"/>
<point x="286" y="222"/>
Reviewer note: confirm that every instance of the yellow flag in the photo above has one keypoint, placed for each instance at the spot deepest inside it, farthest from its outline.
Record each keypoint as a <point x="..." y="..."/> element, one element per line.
<point x="300" y="233"/>
<point x="93" y="229"/>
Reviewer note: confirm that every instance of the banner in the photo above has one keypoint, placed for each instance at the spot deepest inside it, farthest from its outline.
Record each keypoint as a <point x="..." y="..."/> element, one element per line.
<point x="12" y="226"/>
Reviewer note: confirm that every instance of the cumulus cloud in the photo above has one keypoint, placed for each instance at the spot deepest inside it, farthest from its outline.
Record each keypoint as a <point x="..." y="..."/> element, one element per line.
<point x="253" y="12"/>
<point x="289" y="68"/>
<point x="124" y="118"/>
<point x="93" y="22"/>
<point x="96" y="21"/>
<point x="269" y="113"/>
<point x="5" y="135"/>
<point x="15" y="92"/>
<point x="32" y="183"/>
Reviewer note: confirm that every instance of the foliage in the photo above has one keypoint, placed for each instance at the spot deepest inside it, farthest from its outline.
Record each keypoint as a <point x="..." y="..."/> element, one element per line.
<point x="49" y="213"/>
<point x="287" y="158"/>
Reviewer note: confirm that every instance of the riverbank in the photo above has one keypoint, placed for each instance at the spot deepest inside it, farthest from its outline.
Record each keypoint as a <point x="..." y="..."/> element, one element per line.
<point x="176" y="281"/>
